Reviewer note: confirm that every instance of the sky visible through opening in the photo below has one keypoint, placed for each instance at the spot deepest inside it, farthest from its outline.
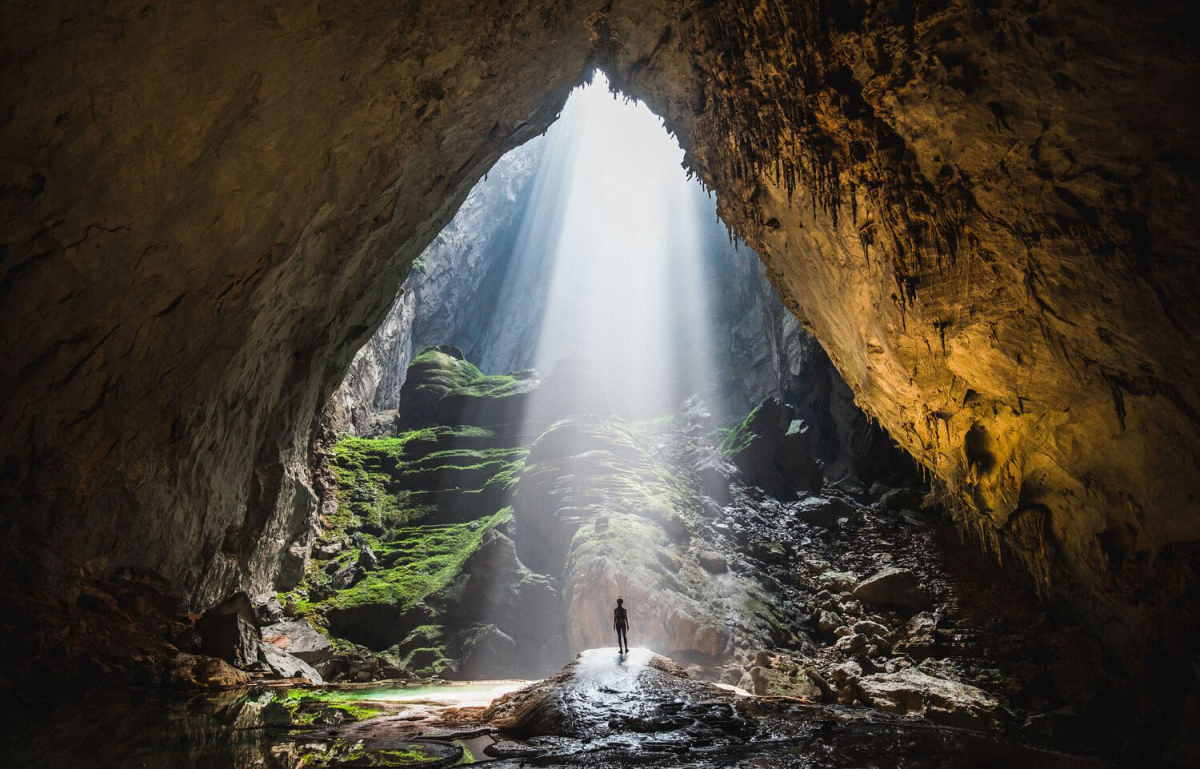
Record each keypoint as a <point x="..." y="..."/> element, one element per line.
<point x="620" y="230"/>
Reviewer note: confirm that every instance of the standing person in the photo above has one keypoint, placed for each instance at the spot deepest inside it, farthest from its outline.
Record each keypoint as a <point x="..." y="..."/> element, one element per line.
<point x="621" y="624"/>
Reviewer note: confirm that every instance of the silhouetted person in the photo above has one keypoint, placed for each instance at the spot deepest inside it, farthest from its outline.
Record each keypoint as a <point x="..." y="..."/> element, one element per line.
<point x="621" y="624"/>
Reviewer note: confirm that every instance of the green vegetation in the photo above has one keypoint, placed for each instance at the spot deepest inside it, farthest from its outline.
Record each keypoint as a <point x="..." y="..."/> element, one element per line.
<point x="422" y="502"/>
<point x="306" y="707"/>
<point x="385" y="483"/>
<point x="341" y="752"/>
<point x="420" y="560"/>
<point x="738" y="438"/>
<point x="492" y="386"/>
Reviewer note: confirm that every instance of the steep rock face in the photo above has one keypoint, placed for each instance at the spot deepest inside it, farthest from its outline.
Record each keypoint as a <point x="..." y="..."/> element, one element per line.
<point x="986" y="215"/>
<point x="442" y="293"/>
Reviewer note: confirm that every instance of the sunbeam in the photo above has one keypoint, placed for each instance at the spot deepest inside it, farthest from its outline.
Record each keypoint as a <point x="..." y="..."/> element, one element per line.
<point x="623" y="233"/>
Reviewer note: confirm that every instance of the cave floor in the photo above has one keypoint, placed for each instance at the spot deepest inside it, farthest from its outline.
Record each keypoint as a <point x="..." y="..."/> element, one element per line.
<point x="601" y="711"/>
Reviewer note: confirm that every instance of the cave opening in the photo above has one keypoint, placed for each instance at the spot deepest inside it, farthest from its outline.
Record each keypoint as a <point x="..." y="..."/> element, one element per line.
<point x="588" y="315"/>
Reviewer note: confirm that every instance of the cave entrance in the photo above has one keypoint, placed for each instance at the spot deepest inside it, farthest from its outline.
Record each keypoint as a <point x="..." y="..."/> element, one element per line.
<point x="586" y="389"/>
<point x="590" y="246"/>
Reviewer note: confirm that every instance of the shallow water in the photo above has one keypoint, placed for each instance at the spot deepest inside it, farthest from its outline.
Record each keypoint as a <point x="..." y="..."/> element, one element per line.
<point x="237" y="729"/>
<point x="625" y="719"/>
<point x="462" y="694"/>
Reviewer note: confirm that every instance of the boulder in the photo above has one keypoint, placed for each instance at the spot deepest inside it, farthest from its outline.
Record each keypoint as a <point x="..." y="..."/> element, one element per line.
<point x="893" y="587"/>
<point x="500" y="590"/>
<point x="918" y="636"/>
<point x="714" y="473"/>
<point x="326" y="550"/>
<point x="941" y="700"/>
<point x="828" y="621"/>
<point x="299" y="639"/>
<point x="199" y="671"/>
<point x="287" y="665"/>
<point x="268" y="611"/>
<point x="848" y="644"/>
<point x="846" y="673"/>
<point x="758" y="679"/>
<point x="772" y="450"/>
<point x="712" y="561"/>
<point x="228" y="631"/>
<point x="347" y="576"/>
<point x="367" y="559"/>
<point x="824" y="511"/>
<point x="870" y="629"/>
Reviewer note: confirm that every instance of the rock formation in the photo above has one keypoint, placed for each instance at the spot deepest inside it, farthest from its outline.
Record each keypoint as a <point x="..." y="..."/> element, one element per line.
<point x="984" y="213"/>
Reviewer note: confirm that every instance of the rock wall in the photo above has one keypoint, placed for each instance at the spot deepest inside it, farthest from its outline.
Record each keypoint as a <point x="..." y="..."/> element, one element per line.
<point x="985" y="213"/>
<point x="440" y="301"/>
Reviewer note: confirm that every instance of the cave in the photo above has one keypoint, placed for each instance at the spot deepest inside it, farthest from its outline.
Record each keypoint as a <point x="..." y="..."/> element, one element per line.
<point x="252" y="264"/>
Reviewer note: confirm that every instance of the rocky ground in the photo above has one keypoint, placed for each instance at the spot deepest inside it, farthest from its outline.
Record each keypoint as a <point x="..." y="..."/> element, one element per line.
<point x="472" y="545"/>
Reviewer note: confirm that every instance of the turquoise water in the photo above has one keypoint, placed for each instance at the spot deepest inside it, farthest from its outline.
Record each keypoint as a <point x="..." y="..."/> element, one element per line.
<point x="467" y="693"/>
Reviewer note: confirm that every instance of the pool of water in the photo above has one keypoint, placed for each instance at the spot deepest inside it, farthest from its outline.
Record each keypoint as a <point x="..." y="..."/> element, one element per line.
<point x="467" y="693"/>
<point x="240" y="729"/>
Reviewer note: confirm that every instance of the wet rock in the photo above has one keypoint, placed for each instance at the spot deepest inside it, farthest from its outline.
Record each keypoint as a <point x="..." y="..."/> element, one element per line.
<point x="596" y="689"/>
<point x="228" y="631"/>
<point x="893" y="587"/>
<point x="300" y="639"/>
<point x="911" y="692"/>
<point x="199" y="671"/>
<point x="510" y="749"/>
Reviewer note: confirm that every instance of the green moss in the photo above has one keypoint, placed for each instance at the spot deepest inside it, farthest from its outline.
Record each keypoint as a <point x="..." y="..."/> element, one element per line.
<point x="420" y="560"/>
<point x="305" y="706"/>
<point x="739" y="437"/>
<point x="493" y="386"/>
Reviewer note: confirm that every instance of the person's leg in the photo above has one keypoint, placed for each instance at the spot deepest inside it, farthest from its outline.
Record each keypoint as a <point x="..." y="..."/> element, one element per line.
<point x="622" y="639"/>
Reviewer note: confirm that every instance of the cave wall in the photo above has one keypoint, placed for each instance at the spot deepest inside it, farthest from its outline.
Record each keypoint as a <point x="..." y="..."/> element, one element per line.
<point x="207" y="209"/>
<point x="449" y="297"/>
<point x="979" y="211"/>
<point x="983" y="212"/>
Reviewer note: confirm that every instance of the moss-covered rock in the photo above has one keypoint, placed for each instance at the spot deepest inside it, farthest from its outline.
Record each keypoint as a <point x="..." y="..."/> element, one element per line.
<point x="441" y="388"/>
<point x="773" y="451"/>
